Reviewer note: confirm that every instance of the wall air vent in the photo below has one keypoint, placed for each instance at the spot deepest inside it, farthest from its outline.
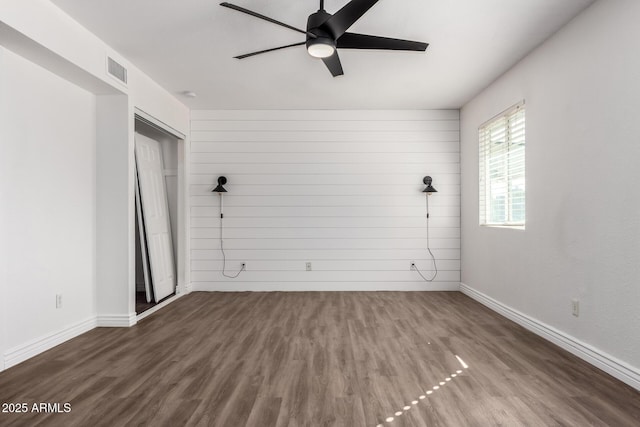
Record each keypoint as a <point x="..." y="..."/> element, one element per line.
<point x="116" y="70"/>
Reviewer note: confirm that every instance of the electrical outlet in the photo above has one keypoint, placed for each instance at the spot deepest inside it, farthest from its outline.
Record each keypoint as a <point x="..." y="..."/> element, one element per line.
<point x="412" y="266"/>
<point x="575" y="307"/>
<point x="58" y="300"/>
<point x="308" y="266"/>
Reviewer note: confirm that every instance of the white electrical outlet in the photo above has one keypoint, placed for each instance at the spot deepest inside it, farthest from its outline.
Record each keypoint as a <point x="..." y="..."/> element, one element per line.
<point x="308" y="265"/>
<point x="58" y="300"/>
<point x="575" y="307"/>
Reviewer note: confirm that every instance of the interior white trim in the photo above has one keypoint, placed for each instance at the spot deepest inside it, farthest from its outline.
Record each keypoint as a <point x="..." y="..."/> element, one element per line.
<point x="117" y="320"/>
<point x="188" y="288"/>
<point x="39" y="345"/>
<point x="594" y="356"/>
<point x="158" y="124"/>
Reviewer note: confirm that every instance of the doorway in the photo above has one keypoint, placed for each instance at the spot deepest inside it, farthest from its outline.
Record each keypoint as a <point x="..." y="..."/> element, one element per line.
<point x="157" y="231"/>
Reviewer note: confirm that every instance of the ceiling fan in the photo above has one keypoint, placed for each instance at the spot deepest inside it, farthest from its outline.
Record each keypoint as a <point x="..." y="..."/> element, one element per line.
<point x="326" y="33"/>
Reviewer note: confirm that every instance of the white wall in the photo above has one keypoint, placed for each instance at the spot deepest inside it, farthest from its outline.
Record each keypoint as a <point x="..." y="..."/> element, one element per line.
<point x="43" y="33"/>
<point x="582" y="238"/>
<point x="40" y="33"/>
<point x="113" y="168"/>
<point x="340" y="189"/>
<point x="4" y="193"/>
<point x="47" y="150"/>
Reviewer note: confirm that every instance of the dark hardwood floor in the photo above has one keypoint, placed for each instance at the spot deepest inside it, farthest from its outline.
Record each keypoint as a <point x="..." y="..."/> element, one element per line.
<point x="317" y="359"/>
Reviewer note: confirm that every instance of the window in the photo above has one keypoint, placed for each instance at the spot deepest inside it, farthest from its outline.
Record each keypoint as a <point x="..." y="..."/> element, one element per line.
<point x="502" y="178"/>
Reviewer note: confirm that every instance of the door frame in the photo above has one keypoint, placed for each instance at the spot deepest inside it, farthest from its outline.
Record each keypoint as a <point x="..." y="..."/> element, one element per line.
<point x="182" y="255"/>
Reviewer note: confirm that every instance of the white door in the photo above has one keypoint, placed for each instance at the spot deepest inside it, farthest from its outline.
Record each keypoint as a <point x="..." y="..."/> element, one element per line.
<point x="143" y="241"/>
<point x="156" y="215"/>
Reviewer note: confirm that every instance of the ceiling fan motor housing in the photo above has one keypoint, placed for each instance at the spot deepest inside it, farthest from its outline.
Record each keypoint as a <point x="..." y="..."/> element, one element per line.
<point x="314" y="24"/>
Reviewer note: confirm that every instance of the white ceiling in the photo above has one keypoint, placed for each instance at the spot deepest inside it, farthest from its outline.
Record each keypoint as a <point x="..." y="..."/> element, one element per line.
<point x="189" y="45"/>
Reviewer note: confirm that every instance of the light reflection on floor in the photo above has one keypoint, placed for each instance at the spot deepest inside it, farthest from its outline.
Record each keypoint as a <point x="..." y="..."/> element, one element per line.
<point x="428" y="392"/>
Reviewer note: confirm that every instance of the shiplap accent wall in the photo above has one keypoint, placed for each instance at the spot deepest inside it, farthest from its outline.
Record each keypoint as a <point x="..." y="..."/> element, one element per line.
<point x="339" y="189"/>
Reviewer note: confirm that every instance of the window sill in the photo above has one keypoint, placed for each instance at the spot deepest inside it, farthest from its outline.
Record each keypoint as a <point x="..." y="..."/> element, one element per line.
<point x="512" y="227"/>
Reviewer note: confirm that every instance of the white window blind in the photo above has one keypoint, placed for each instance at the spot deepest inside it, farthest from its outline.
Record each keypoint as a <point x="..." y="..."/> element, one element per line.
<point x="502" y="169"/>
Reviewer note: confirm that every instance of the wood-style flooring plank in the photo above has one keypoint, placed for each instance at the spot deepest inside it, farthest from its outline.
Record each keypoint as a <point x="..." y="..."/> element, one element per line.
<point x="351" y="359"/>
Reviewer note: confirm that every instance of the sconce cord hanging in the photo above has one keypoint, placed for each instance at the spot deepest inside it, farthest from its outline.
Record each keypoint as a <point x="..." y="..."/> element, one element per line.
<point x="221" y="190"/>
<point x="224" y="256"/>
<point x="427" y="192"/>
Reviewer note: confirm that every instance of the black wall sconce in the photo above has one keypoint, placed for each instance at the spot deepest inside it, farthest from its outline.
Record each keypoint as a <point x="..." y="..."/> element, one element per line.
<point x="429" y="189"/>
<point x="222" y="181"/>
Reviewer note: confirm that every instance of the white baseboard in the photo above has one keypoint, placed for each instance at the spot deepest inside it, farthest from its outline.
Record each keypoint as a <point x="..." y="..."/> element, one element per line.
<point x="116" y="320"/>
<point x="34" y="347"/>
<point x="323" y="286"/>
<point x="188" y="288"/>
<point x="594" y="356"/>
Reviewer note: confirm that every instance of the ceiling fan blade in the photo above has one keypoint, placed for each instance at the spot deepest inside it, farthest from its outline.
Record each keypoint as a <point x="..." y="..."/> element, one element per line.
<point x="246" y="55"/>
<point x="333" y="64"/>
<point x="340" y="22"/>
<point x="364" y="41"/>
<point x="266" y="18"/>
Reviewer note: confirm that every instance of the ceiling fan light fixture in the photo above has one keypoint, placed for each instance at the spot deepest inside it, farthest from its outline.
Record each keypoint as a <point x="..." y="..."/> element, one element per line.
<point x="321" y="47"/>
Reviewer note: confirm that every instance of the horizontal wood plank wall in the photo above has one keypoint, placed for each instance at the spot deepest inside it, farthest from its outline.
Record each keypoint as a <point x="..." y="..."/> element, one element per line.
<point x="339" y="189"/>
